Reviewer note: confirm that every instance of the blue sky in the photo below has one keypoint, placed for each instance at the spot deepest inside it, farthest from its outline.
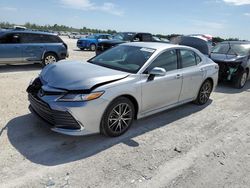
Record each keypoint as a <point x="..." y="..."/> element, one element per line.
<point x="225" y="18"/>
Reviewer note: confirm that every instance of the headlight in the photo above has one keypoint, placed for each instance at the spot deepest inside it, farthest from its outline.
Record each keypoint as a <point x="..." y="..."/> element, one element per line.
<point x="80" y="97"/>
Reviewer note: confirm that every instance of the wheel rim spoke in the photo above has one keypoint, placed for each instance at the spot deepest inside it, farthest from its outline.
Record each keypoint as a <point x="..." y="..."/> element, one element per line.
<point x="243" y="79"/>
<point x="120" y="118"/>
<point x="50" y="59"/>
<point x="205" y="92"/>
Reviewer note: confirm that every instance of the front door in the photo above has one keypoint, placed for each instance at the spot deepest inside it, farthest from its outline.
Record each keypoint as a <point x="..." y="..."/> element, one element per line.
<point x="162" y="90"/>
<point x="10" y="49"/>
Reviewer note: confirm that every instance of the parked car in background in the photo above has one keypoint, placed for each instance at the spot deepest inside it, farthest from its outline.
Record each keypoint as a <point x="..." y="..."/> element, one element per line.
<point x="123" y="37"/>
<point x="233" y="58"/>
<point x="24" y="46"/>
<point x="91" y="41"/>
<point x="127" y="82"/>
<point x="198" y="43"/>
<point x="17" y="27"/>
<point x="158" y="39"/>
<point x="74" y="35"/>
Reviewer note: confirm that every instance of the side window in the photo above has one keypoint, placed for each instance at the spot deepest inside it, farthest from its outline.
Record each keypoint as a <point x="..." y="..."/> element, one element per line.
<point x="167" y="60"/>
<point x="106" y="37"/>
<point x="198" y="59"/>
<point x="50" y="39"/>
<point x="30" y="38"/>
<point x="188" y="58"/>
<point x="137" y="38"/>
<point x="12" y="38"/>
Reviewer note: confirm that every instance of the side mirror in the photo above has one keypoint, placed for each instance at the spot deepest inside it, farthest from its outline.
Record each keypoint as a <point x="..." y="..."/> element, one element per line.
<point x="157" y="71"/>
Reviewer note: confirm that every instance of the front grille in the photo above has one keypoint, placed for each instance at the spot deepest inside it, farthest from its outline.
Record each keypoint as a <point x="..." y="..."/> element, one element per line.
<point x="58" y="118"/>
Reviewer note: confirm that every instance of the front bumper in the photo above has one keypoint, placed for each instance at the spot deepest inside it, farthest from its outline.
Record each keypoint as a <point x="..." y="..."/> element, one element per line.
<point x="70" y="118"/>
<point x="59" y="119"/>
<point x="82" y="44"/>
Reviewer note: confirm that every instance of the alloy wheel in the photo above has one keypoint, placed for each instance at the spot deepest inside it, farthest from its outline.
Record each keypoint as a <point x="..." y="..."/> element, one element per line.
<point x="120" y="118"/>
<point x="49" y="59"/>
<point x="92" y="47"/>
<point x="243" y="79"/>
<point x="205" y="92"/>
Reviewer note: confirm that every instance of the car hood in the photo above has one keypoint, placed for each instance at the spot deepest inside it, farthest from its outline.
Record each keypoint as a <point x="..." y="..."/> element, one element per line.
<point x="76" y="76"/>
<point x="226" y="58"/>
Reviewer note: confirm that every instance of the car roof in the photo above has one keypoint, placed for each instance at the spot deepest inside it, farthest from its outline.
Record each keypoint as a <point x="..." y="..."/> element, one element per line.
<point x="235" y="42"/>
<point x="28" y="31"/>
<point x="154" y="45"/>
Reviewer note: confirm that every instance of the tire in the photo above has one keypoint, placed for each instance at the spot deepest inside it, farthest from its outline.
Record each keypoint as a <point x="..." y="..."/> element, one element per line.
<point x="240" y="79"/>
<point x="204" y="93"/>
<point x="49" y="58"/>
<point x="82" y="49"/>
<point x="92" y="47"/>
<point x="114" y="124"/>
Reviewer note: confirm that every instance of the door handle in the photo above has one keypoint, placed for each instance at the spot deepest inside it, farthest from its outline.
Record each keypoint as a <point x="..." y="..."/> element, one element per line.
<point x="178" y="76"/>
<point x="201" y="70"/>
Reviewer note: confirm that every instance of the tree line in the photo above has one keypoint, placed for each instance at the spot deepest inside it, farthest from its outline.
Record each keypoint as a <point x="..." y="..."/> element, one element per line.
<point x="64" y="28"/>
<point x="56" y="27"/>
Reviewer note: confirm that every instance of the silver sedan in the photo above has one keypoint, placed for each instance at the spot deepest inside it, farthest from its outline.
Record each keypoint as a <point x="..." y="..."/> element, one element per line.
<point x="131" y="81"/>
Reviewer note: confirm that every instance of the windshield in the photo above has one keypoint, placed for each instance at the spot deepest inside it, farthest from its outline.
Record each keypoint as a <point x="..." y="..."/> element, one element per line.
<point x="92" y="37"/>
<point x="124" y="58"/>
<point x="232" y="49"/>
<point x="124" y="36"/>
<point x="156" y="38"/>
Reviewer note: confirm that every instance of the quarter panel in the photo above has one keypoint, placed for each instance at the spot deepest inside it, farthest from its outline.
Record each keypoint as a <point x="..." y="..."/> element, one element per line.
<point x="192" y="80"/>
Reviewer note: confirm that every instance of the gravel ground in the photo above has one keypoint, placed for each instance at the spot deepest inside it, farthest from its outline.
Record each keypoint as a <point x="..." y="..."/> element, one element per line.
<point x="188" y="146"/>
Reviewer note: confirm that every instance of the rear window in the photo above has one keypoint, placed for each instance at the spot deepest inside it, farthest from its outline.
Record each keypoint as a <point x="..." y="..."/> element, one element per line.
<point x="188" y="58"/>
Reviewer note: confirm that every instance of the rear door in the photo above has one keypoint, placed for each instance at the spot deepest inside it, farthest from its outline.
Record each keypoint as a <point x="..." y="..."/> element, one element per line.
<point x="192" y="74"/>
<point x="33" y="47"/>
<point x="10" y="49"/>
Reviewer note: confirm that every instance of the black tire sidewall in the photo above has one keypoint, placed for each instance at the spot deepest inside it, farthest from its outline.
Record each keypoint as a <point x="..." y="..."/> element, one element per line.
<point x="104" y="123"/>
<point x="198" y="101"/>
<point x="237" y="80"/>
<point x="91" y="47"/>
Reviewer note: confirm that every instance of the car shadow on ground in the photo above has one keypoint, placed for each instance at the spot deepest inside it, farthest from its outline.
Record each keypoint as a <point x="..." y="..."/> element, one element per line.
<point x="29" y="135"/>
<point x="85" y="50"/>
<point x="20" y="68"/>
<point x="228" y="88"/>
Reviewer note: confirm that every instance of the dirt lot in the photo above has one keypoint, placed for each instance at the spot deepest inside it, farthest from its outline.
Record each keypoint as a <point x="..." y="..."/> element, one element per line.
<point x="189" y="146"/>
